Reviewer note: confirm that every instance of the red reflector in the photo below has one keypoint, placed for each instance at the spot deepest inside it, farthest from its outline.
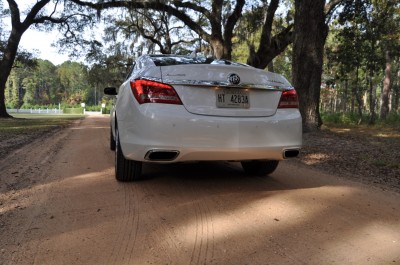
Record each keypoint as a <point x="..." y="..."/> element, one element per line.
<point x="146" y="91"/>
<point x="289" y="99"/>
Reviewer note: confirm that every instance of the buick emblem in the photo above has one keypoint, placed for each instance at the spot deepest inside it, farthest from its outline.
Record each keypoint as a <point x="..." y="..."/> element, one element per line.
<point x="233" y="79"/>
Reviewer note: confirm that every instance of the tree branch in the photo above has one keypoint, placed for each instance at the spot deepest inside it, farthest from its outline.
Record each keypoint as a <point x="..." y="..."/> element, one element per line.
<point x="269" y="46"/>
<point x="330" y="8"/>
<point x="184" y="41"/>
<point x="15" y="15"/>
<point x="193" y="7"/>
<point x="232" y="20"/>
<point x="154" y="5"/>
<point x="30" y="18"/>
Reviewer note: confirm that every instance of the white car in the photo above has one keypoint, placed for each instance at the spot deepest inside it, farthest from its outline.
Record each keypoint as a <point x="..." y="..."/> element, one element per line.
<point x="185" y="108"/>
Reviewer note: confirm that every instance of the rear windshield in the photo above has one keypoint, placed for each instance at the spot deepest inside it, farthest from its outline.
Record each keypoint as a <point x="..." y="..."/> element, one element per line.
<point x="161" y="60"/>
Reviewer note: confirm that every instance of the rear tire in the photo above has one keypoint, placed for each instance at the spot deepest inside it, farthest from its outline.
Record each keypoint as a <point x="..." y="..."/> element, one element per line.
<point x="112" y="141"/>
<point x="125" y="169"/>
<point x="259" y="167"/>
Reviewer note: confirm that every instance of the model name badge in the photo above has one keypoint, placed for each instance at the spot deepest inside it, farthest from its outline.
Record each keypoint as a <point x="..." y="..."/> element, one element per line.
<point x="176" y="74"/>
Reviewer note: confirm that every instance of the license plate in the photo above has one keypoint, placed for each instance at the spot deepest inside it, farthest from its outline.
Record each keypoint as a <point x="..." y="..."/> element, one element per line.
<point x="232" y="98"/>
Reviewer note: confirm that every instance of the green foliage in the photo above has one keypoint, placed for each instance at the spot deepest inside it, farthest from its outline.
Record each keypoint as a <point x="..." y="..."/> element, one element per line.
<point x="74" y="82"/>
<point x="353" y="119"/>
<point x="46" y="84"/>
<point x="14" y="92"/>
<point x="93" y="108"/>
<point x="340" y="118"/>
<point x="364" y="32"/>
<point x="392" y="120"/>
<point x="106" y="110"/>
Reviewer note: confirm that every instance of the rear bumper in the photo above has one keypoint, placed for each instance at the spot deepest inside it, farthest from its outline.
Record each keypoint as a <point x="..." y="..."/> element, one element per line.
<point x="198" y="137"/>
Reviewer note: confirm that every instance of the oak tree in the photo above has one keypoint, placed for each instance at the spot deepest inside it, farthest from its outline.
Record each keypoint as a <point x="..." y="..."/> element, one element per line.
<point x="45" y="13"/>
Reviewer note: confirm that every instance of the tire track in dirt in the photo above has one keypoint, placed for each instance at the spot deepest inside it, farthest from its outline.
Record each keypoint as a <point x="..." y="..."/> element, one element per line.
<point x="185" y="240"/>
<point x="203" y="247"/>
<point x="127" y="234"/>
<point x="202" y="235"/>
<point x="166" y="238"/>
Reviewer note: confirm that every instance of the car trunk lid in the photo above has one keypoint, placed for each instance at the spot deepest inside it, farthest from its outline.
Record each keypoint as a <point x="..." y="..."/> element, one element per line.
<point x="226" y="90"/>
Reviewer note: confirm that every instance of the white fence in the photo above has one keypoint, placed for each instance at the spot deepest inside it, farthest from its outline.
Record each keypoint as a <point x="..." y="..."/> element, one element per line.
<point x="48" y="111"/>
<point x="36" y="111"/>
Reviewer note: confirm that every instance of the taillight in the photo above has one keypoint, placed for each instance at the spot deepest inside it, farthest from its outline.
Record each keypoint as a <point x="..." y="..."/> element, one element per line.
<point x="146" y="91"/>
<point x="289" y="99"/>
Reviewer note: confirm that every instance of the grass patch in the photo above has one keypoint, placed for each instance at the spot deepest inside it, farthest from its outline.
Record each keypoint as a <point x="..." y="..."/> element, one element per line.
<point x="26" y="123"/>
<point x="348" y="123"/>
<point x="377" y="145"/>
<point x="352" y="119"/>
<point x="379" y="163"/>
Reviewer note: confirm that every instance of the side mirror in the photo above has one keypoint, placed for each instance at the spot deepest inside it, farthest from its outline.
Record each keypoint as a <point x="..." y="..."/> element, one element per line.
<point x="112" y="91"/>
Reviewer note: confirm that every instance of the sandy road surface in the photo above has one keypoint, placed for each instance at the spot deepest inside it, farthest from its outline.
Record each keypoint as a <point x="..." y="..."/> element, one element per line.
<point x="60" y="204"/>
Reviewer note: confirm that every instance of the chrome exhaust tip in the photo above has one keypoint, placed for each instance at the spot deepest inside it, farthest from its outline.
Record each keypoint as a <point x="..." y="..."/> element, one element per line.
<point x="291" y="153"/>
<point x="161" y="155"/>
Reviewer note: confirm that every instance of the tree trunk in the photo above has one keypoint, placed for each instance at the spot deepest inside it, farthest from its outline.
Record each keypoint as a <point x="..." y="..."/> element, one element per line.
<point x="309" y="39"/>
<point x="346" y="87"/>
<point x="218" y="46"/>
<point x="386" y="89"/>
<point x="358" y="96"/>
<point x="396" y="93"/>
<point x="372" y="96"/>
<point x="6" y="65"/>
<point x="3" y="109"/>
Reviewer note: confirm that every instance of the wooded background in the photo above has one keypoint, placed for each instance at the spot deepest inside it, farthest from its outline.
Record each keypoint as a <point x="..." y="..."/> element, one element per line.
<point x="341" y="56"/>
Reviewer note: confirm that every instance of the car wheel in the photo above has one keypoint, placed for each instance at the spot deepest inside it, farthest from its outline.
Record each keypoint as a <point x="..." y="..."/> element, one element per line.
<point x="259" y="167"/>
<point x="112" y="141"/>
<point x="125" y="169"/>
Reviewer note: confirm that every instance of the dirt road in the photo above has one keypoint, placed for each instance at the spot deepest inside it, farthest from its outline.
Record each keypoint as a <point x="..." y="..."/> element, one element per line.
<point x="60" y="204"/>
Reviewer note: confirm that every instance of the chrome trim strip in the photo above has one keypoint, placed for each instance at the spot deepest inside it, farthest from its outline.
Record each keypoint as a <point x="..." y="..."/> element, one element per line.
<point x="217" y="84"/>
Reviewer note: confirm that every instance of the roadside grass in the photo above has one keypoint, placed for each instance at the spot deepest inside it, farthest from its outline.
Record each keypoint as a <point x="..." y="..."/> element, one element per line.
<point x="353" y="120"/>
<point x="377" y="131"/>
<point x="23" y="124"/>
<point x="351" y="124"/>
<point x="379" y="143"/>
